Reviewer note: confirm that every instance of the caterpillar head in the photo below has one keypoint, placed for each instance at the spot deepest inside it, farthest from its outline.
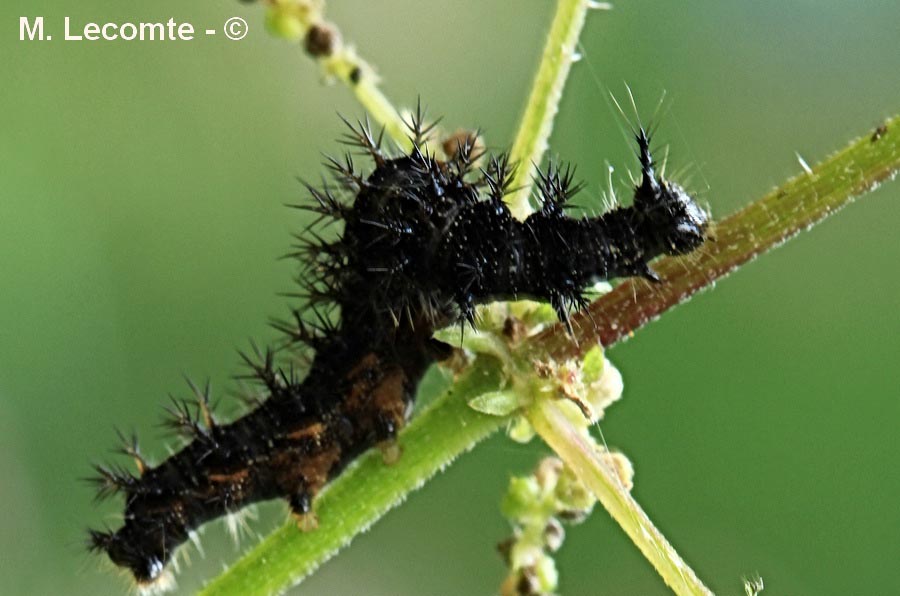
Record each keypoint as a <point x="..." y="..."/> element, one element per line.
<point x="669" y="214"/>
<point x="147" y="565"/>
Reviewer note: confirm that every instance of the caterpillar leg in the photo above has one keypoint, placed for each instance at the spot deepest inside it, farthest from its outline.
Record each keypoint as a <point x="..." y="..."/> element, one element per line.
<point x="301" y="505"/>
<point x="390" y="451"/>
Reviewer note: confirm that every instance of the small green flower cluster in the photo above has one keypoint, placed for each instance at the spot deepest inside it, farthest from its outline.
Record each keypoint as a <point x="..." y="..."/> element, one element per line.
<point x="536" y="505"/>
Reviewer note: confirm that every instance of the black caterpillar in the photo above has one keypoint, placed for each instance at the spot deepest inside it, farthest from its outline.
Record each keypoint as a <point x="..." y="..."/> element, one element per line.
<point x="424" y="241"/>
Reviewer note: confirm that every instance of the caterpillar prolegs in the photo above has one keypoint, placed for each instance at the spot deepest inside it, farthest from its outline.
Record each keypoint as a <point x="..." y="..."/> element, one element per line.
<point x="424" y="241"/>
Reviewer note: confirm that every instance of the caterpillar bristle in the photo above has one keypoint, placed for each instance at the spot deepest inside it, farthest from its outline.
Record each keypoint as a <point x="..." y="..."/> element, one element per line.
<point x="99" y="540"/>
<point x="181" y="420"/>
<point x="313" y="296"/>
<point x="326" y="203"/>
<point x="314" y="251"/>
<point x="202" y="401"/>
<point x="319" y="289"/>
<point x="345" y="173"/>
<point x="498" y="176"/>
<point x="128" y="446"/>
<point x="462" y="150"/>
<point x="111" y="480"/>
<point x="643" y="153"/>
<point x="236" y="524"/>
<point x="361" y="136"/>
<point x="556" y="186"/>
<point x="261" y="368"/>
<point x="300" y="331"/>
<point x="323" y="325"/>
<point x="420" y="131"/>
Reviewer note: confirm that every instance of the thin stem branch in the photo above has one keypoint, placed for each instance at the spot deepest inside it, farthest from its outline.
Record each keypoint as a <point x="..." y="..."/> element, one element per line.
<point x="367" y="490"/>
<point x="546" y="92"/>
<point x="581" y="454"/>
<point x="760" y="226"/>
<point x="304" y="20"/>
<point x="382" y="110"/>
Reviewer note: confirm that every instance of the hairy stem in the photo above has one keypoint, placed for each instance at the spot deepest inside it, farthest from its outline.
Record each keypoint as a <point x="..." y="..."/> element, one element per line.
<point x="582" y="455"/>
<point x="368" y="489"/>
<point x="762" y="225"/>
<point x="303" y="20"/>
<point x="381" y="109"/>
<point x="546" y="92"/>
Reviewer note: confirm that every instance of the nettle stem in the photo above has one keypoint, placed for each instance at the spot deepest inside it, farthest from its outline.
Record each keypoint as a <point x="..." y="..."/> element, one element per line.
<point x="583" y="456"/>
<point x="303" y="21"/>
<point x="560" y="52"/>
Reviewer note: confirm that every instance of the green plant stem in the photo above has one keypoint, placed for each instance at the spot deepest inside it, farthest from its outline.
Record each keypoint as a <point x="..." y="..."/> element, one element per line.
<point x="543" y="102"/>
<point x="342" y="66"/>
<point x="760" y="226"/>
<point x="382" y="110"/>
<point x="367" y="490"/>
<point x="580" y="453"/>
<point x="345" y="65"/>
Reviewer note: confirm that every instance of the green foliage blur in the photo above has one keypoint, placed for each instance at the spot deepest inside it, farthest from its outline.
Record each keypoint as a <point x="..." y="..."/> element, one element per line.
<point x="142" y="192"/>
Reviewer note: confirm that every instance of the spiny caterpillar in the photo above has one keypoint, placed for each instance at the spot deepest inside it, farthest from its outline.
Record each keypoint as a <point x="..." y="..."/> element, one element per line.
<point x="423" y="242"/>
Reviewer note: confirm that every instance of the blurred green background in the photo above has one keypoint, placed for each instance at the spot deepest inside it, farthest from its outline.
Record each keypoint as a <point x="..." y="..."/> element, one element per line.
<point x="141" y="214"/>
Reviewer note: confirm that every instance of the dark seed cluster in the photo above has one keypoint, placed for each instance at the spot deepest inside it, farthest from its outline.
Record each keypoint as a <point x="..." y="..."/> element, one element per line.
<point x="423" y="242"/>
